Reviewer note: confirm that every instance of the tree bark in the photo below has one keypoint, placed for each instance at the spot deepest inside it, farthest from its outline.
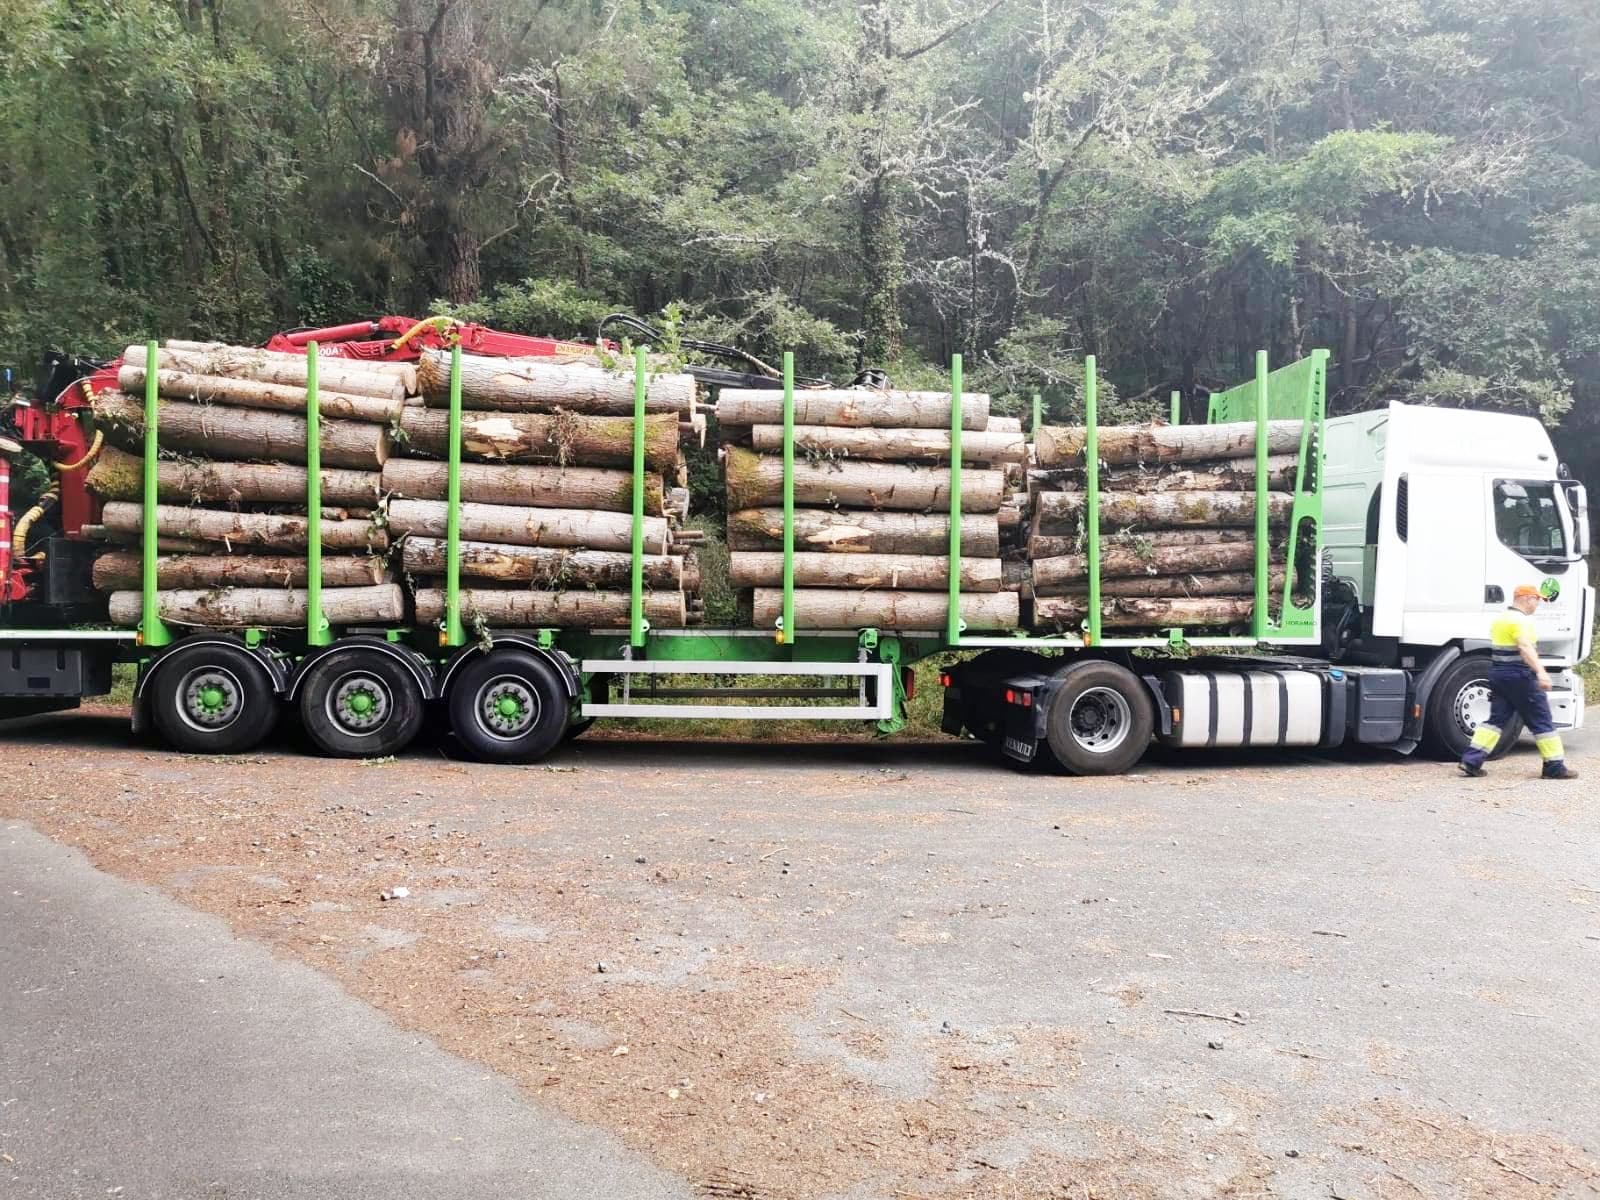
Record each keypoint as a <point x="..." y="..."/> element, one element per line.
<point x="522" y="384"/>
<point x="909" y="572"/>
<point x="249" y="393"/>
<point x="243" y="433"/>
<point x="556" y="527"/>
<point x="756" y="479"/>
<point x="862" y="532"/>
<point x="546" y="568"/>
<point x="119" y="476"/>
<point x="825" y="608"/>
<point x="260" y="608"/>
<point x="851" y="407"/>
<point x="263" y="366"/>
<point x="560" y="438"/>
<point x="1054" y="546"/>
<point x="894" y="445"/>
<point x="1122" y="612"/>
<point x="1230" y="475"/>
<point x="1062" y="512"/>
<point x="244" y="529"/>
<point x="1062" y="445"/>
<point x="120" y="569"/>
<point x="533" y="487"/>
<point x="518" y="607"/>
<point x="1239" y="585"/>
<point x="1004" y="424"/>
<point x="1123" y="561"/>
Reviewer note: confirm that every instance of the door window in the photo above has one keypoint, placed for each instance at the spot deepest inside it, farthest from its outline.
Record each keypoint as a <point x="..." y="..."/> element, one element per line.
<point x="1528" y="520"/>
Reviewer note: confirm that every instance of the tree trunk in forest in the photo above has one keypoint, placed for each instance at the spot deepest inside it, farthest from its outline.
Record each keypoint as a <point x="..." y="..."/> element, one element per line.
<point x="250" y="393"/>
<point x="534" y="384"/>
<point x="263" y="608"/>
<point x="514" y="607"/>
<point x="910" y="572"/>
<point x="243" y="433"/>
<point x="562" y="438"/>
<point x="121" y="569"/>
<point x="533" y="487"/>
<point x="547" y="568"/>
<point x="825" y="608"/>
<point x="1124" y="612"/>
<point x="243" y="529"/>
<point x="1062" y="445"/>
<point x="1231" y="475"/>
<point x="754" y="480"/>
<point x="895" y="445"/>
<point x="558" y="527"/>
<point x="1119" y="561"/>
<point x="858" y="407"/>
<point x="1064" y="512"/>
<point x="116" y="475"/>
<point x="862" y="532"/>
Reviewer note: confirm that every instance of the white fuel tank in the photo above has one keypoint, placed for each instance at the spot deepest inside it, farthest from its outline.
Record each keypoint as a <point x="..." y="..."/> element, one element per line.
<point x="1244" y="708"/>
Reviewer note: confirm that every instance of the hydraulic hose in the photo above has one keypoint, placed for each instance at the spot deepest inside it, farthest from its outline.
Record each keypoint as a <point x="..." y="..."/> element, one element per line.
<point x="19" y="538"/>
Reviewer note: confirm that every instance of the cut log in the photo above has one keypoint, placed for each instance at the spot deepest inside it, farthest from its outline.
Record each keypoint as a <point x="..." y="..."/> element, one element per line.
<point x="119" y="476"/>
<point x="908" y="572"/>
<point x="262" y="608"/>
<point x="242" y="362"/>
<point x="516" y="526"/>
<point x="592" y="488"/>
<point x="517" y="607"/>
<point x="1063" y="512"/>
<point x="851" y="407"/>
<point x="1121" y="561"/>
<point x="546" y="568"/>
<point x="757" y="479"/>
<point x="893" y="445"/>
<point x="1239" y="584"/>
<point x="1143" y="541"/>
<point x="250" y="393"/>
<point x="244" y="528"/>
<point x="561" y="438"/>
<point x="824" y="608"/>
<point x="1120" y="612"/>
<point x="1004" y="425"/>
<point x="405" y="372"/>
<point x="1230" y="475"/>
<point x="243" y="433"/>
<point x="521" y="384"/>
<point x="120" y="569"/>
<point x="862" y="532"/>
<point x="1062" y="445"/>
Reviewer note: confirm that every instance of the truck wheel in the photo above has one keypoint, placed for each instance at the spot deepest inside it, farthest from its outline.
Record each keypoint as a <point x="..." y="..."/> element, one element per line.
<point x="1100" y="720"/>
<point x="508" y="706"/>
<point x="360" y="704"/>
<point x="1458" y="702"/>
<point x="213" y="699"/>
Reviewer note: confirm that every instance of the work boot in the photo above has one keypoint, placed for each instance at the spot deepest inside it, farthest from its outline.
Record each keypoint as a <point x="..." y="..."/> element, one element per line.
<point x="1473" y="770"/>
<point x="1557" y="770"/>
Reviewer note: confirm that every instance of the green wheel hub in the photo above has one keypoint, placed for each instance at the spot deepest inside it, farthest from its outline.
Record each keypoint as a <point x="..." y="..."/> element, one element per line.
<point x="508" y="707"/>
<point x="210" y="698"/>
<point x="359" y="703"/>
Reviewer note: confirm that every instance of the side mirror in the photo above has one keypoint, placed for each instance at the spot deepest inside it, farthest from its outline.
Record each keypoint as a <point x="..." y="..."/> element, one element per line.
<point x="1578" y="504"/>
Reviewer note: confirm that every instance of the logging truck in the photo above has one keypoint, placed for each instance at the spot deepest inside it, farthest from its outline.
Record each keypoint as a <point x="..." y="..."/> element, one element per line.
<point x="1347" y="601"/>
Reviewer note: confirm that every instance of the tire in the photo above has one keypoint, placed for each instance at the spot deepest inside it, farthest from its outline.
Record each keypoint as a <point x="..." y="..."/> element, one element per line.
<point x="1459" y="700"/>
<point x="213" y="699"/>
<point x="360" y="703"/>
<point x="1101" y="719"/>
<point x="509" y="706"/>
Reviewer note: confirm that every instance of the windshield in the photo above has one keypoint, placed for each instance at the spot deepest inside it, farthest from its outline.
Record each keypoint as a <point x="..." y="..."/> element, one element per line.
<point x="1528" y="519"/>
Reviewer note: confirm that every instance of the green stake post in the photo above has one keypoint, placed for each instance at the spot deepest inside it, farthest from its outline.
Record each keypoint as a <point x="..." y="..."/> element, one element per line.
<point x="1258" y="620"/>
<point x="786" y="634"/>
<point x="152" y="630"/>
<point x="454" y="633"/>
<point x="317" y="631"/>
<point x="1177" y="408"/>
<point x="637" y="624"/>
<point x="952" y="634"/>
<point x="1091" y="455"/>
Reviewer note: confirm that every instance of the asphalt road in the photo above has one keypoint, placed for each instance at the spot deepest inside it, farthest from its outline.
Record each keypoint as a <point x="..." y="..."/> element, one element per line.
<point x="830" y="971"/>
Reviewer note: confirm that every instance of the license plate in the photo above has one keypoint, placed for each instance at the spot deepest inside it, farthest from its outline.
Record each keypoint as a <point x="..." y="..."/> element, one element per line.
<point x="1019" y="748"/>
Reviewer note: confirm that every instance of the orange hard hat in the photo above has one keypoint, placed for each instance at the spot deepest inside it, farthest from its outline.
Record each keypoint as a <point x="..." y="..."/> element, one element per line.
<point x="1525" y="591"/>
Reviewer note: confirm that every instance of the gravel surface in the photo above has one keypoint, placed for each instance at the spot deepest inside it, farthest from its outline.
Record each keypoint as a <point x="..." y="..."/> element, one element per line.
<point x="897" y="970"/>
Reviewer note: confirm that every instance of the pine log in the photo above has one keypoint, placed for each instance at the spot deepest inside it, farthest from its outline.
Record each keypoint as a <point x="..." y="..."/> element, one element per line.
<point x="120" y="569"/>
<point x="552" y="569"/>
<point x="260" y="608"/>
<point x="522" y="384"/>
<point x="1236" y="584"/>
<point x="1062" y="445"/>
<point x="909" y="572"/>
<point x="851" y="407"/>
<point x="592" y="488"/>
<point x="116" y="475"/>
<point x="242" y="362"/>
<point x="1125" y="612"/>
<point x="862" y="532"/>
<point x="518" y="607"/>
<point x="825" y="608"/>
<point x="893" y="445"/>
<point x="517" y="526"/>
<point x="757" y="479"/>
<point x="250" y="393"/>
<point x="1119" y="561"/>
<point x="1004" y="424"/>
<point x="1062" y="512"/>
<point x="243" y="433"/>
<point x="1055" y="545"/>
<point x="405" y="372"/>
<point x="561" y="438"/>
<point x="164" y="545"/>
<point x="1229" y="475"/>
<point x="245" y="528"/>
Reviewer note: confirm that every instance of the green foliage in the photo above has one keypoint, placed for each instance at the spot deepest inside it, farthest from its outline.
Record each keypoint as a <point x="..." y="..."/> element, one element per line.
<point x="548" y="307"/>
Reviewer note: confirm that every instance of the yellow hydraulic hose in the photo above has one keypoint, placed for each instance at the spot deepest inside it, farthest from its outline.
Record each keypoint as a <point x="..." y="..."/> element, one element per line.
<point x="92" y="453"/>
<point x="19" y="537"/>
<point x="419" y="327"/>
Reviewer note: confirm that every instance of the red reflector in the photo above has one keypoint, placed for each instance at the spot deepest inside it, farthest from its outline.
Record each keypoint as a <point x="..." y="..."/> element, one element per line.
<point x="1027" y="699"/>
<point x="1011" y="696"/>
<point x="944" y="678"/>
<point x="908" y="681"/>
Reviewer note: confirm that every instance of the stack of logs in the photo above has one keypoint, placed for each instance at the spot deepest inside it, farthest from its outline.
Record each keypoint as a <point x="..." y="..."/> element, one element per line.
<point x="1177" y="520"/>
<point x="872" y="507"/>
<point x="546" y="494"/>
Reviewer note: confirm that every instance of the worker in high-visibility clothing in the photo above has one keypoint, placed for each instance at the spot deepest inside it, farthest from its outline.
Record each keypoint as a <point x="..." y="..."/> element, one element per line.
<point x="1517" y="684"/>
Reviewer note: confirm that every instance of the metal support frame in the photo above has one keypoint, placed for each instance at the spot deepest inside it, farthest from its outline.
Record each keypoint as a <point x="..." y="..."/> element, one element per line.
<point x="153" y="630"/>
<point x="787" y="631"/>
<point x="1258" y="617"/>
<point x="453" y="633"/>
<point x="317" y="630"/>
<point x="954" y="625"/>
<point x="1091" y="457"/>
<point x="637" y="625"/>
<point x="883" y="709"/>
